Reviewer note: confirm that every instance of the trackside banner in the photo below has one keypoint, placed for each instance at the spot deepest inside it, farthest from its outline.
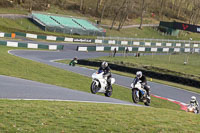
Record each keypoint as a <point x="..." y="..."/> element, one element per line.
<point x="181" y="26"/>
<point x="82" y="40"/>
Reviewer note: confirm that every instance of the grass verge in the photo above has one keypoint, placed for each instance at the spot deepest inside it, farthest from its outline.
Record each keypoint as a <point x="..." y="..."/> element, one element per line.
<point x="9" y="25"/>
<point x="73" y="117"/>
<point x="189" y="88"/>
<point x="168" y="64"/>
<point x="23" y="68"/>
<point x="24" y="25"/>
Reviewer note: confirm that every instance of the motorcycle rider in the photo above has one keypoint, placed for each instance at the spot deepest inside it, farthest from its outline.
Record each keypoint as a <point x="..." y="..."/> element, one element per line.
<point x="194" y="102"/>
<point x="142" y="78"/>
<point x="107" y="73"/>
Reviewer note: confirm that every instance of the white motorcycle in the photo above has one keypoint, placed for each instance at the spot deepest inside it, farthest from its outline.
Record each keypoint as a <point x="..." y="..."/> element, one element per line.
<point x="139" y="93"/>
<point x="99" y="84"/>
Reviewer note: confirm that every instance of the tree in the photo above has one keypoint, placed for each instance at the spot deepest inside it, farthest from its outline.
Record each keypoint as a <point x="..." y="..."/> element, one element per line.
<point x="125" y="12"/>
<point x="103" y="10"/>
<point x="82" y="5"/>
<point x="143" y="7"/>
<point x="162" y="4"/>
<point x="195" y="11"/>
<point x="179" y="7"/>
<point x="117" y="12"/>
<point x="98" y="5"/>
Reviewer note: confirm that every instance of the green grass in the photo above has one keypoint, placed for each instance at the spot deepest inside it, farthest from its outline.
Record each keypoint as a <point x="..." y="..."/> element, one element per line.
<point x="73" y="117"/>
<point x="22" y="68"/>
<point x="13" y="10"/>
<point x="185" y="87"/>
<point x="148" y="32"/>
<point x="24" y="25"/>
<point x="170" y="64"/>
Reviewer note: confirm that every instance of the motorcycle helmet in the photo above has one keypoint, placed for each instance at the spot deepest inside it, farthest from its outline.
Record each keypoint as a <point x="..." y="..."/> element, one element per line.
<point x="139" y="74"/>
<point x="104" y="64"/>
<point x="193" y="98"/>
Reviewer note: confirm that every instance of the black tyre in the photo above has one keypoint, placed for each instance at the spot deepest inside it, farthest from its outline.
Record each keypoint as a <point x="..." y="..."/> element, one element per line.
<point x="147" y="103"/>
<point x="94" y="88"/>
<point x="134" y="96"/>
<point x="109" y="92"/>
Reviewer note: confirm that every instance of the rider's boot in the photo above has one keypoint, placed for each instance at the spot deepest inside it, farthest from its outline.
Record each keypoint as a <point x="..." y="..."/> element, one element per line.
<point x="108" y="86"/>
<point x="148" y="95"/>
<point x="197" y="111"/>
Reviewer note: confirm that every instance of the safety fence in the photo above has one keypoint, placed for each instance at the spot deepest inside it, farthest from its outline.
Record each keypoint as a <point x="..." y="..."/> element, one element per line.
<point x="31" y="45"/>
<point x="136" y="49"/>
<point x="109" y="42"/>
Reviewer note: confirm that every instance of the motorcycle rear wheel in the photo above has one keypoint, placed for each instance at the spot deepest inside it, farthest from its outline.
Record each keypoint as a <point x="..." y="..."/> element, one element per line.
<point x="94" y="89"/>
<point x="134" y="96"/>
<point x="109" y="92"/>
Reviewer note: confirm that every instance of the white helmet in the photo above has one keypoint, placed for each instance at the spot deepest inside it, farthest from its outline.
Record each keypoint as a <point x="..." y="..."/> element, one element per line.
<point x="193" y="98"/>
<point x="104" y="65"/>
<point x="139" y="74"/>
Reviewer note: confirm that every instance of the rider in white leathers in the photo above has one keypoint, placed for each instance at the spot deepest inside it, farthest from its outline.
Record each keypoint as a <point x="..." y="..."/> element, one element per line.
<point x="194" y="101"/>
<point x="142" y="78"/>
<point x="107" y="73"/>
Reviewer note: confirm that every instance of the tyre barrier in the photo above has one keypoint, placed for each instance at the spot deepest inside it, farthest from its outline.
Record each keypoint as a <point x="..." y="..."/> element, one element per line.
<point x="151" y="74"/>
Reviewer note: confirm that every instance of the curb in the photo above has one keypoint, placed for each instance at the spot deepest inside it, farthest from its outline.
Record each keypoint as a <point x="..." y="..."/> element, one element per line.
<point x="182" y="105"/>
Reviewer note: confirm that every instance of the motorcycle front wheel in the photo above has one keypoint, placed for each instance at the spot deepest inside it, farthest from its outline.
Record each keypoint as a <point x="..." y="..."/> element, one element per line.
<point x="109" y="92"/>
<point x="147" y="103"/>
<point x="94" y="88"/>
<point x="134" y="96"/>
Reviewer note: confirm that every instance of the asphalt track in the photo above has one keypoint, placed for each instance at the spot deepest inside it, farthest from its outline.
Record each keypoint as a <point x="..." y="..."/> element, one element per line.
<point x="34" y="91"/>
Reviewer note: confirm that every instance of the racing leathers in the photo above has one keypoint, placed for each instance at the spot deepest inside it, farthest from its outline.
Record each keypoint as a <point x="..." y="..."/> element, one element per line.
<point x="196" y="104"/>
<point x="107" y="73"/>
<point x="143" y="82"/>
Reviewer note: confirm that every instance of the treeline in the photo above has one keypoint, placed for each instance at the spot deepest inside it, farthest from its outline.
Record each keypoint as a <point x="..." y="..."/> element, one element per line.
<point x="119" y="11"/>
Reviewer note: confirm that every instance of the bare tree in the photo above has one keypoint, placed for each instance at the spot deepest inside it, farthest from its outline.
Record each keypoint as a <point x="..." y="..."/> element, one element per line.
<point x="103" y="10"/>
<point x="179" y="7"/>
<point x="98" y="5"/>
<point x="195" y="10"/>
<point x="124" y="14"/>
<point x="143" y="8"/>
<point x="82" y="5"/>
<point x="117" y="12"/>
<point x="162" y="4"/>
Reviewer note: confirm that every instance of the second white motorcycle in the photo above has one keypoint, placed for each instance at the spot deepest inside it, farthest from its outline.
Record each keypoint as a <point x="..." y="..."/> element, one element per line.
<point x="99" y="84"/>
<point x="139" y="94"/>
